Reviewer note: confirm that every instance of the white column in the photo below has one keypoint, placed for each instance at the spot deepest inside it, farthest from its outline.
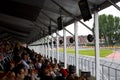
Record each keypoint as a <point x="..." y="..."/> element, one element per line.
<point x="48" y="48"/>
<point x="97" y="52"/>
<point x="57" y="46"/>
<point x="43" y="47"/>
<point x="40" y="48"/>
<point x="65" y="54"/>
<point x="52" y="50"/>
<point x="76" y="47"/>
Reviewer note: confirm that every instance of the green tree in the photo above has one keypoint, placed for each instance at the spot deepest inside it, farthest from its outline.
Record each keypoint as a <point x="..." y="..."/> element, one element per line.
<point x="109" y="28"/>
<point x="117" y="29"/>
<point x="103" y="27"/>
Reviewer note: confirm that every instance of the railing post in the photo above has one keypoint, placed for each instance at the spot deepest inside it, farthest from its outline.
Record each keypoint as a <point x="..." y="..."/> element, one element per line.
<point x="108" y="73"/>
<point x="102" y="73"/>
<point x="115" y="74"/>
<point x="92" y="67"/>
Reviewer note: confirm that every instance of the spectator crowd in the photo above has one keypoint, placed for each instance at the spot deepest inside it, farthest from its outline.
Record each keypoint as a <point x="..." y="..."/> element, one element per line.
<point x="21" y="63"/>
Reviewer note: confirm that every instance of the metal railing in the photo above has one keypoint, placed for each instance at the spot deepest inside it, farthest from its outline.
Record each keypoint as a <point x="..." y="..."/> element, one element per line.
<point x="109" y="70"/>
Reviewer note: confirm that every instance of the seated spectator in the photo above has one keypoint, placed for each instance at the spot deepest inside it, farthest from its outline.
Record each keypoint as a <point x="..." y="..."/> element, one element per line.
<point x="17" y="60"/>
<point x="71" y="70"/>
<point x="20" y="72"/>
<point x="64" y="72"/>
<point x="24" y="60"/>
<point x="51" y="72"/>
<point x="46" y="75"/>
<point x="56" y="69"/>
<point x="10" y="75"/>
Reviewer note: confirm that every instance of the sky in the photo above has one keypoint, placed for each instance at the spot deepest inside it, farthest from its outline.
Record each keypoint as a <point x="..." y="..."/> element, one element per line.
<point x="83" y="30"/>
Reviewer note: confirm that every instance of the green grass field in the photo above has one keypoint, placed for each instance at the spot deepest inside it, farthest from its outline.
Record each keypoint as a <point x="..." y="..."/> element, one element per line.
<point x="103" y="52"/>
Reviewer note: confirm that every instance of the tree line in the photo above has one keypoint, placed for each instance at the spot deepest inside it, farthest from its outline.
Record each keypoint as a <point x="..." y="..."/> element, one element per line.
<point x="109" y="29"/>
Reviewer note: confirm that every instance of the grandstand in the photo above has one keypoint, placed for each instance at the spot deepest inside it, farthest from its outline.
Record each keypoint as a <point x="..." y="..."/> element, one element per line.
<point x="27" y="51"/>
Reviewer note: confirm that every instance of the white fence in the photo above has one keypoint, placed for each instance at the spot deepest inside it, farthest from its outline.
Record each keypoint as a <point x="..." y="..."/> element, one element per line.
<point x="109" y="70"/>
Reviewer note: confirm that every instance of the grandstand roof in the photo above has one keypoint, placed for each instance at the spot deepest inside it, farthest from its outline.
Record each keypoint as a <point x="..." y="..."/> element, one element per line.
<point x="28" y="20"/>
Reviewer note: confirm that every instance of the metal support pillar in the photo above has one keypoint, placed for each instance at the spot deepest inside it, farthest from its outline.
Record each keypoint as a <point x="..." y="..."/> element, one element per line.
<point x="43" y="47"/>
<point x="65" y="54"/>
<point x="48" y="48"/>
<point x="52" y="49"/>
<point x="57" y="47"/>
<point x="97" y="52"/>
<point x="46" y="51"/>
<point x="40" y="50"/>
<point x="76" y="47"/>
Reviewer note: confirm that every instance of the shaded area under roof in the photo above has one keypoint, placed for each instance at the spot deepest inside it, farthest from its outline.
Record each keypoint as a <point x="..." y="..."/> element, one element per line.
<point x="28" y="20"/>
